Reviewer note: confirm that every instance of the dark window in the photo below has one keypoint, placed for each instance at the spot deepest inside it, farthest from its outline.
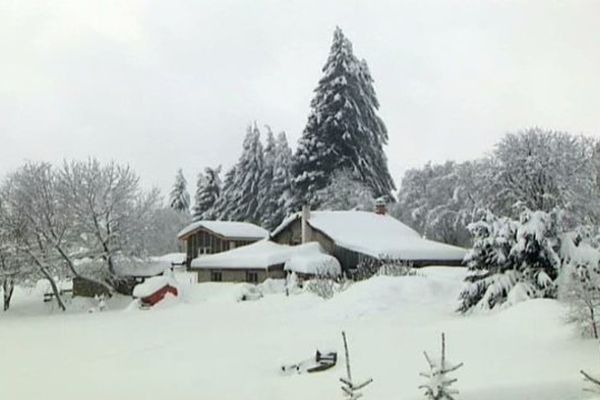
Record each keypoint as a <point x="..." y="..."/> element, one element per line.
<point x="216" y="276"/>
<point x="252" y="277"/>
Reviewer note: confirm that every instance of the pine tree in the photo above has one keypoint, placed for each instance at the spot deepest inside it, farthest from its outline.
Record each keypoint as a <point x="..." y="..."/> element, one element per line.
<point x="208" y="190"/>
<point x="343" y="129"/>
<point x="438" y="385"/>
<point x="281" y="200"/>
<point x="488" y="260"/>
<point x="267" y="198"/>
<point x="512" y="261"/>
<point x="179" y="199"/>
<point x="223" y="206"/>
<point x="240" y="196"/>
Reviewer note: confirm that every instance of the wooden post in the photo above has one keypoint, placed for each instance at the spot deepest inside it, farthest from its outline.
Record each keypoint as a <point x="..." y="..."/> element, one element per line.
<point x="443" y="366"/>
<point x="347" y="357"/>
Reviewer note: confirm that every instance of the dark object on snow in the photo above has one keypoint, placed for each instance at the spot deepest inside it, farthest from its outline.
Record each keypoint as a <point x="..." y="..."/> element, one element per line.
<point x="158" y="295"/>
<point x="321" y="362"/>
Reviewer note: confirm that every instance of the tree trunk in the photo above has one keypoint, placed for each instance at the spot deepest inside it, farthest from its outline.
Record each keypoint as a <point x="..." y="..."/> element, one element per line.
<point x="594" y="325"/>
<point x="55" y="290"/>
<point x="8" y="287"/>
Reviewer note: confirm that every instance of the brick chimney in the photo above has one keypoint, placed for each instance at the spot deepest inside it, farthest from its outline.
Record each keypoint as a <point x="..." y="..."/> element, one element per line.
<point x="305" y="228"/>
<point x="380" y="207"/>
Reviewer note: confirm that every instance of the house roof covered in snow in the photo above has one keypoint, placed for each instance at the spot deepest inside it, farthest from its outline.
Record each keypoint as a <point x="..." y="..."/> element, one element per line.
<point x="309" y="258"/>
<point x="227" y="229"/>
<point x="376" y="235"/>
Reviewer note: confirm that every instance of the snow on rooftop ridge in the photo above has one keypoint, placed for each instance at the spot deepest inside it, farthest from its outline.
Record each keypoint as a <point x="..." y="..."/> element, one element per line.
<point x="307" y="258"/>
<point x="229" y="229"/>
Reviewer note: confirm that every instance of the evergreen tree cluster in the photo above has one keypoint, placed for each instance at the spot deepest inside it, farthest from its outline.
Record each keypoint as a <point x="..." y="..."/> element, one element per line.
<point x="257" y="189"/>
<point x="339" y="162"/>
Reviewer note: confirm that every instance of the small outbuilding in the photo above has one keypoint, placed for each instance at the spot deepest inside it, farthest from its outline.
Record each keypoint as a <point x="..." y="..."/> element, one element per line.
<point x="154" y="289"/>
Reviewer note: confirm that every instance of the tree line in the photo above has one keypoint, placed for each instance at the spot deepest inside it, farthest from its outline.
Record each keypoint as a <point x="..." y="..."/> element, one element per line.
<point x="81" y="219"/>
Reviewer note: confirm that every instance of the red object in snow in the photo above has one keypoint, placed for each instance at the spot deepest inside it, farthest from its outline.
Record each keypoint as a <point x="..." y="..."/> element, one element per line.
<point x="158" y="295"/>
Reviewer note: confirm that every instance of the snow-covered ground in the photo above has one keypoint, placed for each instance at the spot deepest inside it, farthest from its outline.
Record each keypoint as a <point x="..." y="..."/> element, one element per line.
<point x="209" y="346"/>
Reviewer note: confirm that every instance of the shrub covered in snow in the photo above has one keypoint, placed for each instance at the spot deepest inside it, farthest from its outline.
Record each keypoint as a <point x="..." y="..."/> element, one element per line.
<point x="580" y="283"/>
<point x="322" y="286"/>
<point x="370" y="267"/>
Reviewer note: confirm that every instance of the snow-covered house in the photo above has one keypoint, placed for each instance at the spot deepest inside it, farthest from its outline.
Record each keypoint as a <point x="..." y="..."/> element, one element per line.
<point x="210" y="237"/>
<point x="351" y="236"/>
<point x="265" y="259"/>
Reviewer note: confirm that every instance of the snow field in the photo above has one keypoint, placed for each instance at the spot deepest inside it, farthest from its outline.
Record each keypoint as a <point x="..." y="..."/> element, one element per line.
<point x="207" y="345"/>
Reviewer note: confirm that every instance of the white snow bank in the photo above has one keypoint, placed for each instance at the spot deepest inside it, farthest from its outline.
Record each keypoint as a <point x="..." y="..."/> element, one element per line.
<point x="310" y="259"/>
<point x="377" y="235"/>
<point x="229" y="229"/>
<point x="306" y="258"/>
<point x="151" y="285"/>
<point x="169" y="259"/>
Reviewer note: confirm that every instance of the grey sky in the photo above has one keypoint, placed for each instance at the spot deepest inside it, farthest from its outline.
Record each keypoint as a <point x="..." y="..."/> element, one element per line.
<point x="169" y="84"/>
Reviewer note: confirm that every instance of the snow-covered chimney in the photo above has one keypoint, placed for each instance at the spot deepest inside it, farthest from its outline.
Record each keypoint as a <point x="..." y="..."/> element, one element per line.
<point x="305" y="227"/>
<point x="380" y="207"/>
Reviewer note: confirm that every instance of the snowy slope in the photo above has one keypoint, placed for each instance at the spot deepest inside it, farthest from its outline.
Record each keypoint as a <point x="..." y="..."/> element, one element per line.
<point x="213" y="347"/>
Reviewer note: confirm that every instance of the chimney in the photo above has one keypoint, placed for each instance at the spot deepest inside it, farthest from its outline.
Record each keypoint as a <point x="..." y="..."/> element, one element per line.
<point x="380" y="207"/>
<point x="305" y="227"/>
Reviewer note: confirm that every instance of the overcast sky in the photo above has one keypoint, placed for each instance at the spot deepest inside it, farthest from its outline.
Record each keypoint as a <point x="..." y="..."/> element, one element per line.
<point x="168" y="84"/>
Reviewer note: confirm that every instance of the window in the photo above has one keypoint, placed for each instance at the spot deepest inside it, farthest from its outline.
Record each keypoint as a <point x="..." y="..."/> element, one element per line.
<point x="204" y="250"/>
<point x="216" y="276"/>
<point x="252" y="277"/>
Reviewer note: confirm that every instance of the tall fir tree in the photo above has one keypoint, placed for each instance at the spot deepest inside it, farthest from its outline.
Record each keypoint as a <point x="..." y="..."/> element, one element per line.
<point x="179" y="198"/>
<point x="343" y="129"/>
<point x="267" y="200"/>
<point x="281" y="200"/>
<point x="222" y="208"/>
<point x="240" y="197"/>
<point x="208" y="190"/>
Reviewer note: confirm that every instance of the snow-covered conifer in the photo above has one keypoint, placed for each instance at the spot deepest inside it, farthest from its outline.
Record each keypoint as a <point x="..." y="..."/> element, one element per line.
<point x="488" y="262"/>
<point x="179" y="198"/>
<point x="223" y="206"/>
<point x="512" y="260"/>
<point x="439" y="383"/>
<point x="246" y="182"/>
<point x="343" y="129"/>
<point x="282" y="189"/>
<point x="240" y="194"/>
<point x="208" y="190"/>
<point x="535" y="254"/>
<point x="267" y="197"/>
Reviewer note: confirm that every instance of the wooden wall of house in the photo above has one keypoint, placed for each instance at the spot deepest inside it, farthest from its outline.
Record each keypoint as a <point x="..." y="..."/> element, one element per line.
<point x="291" y="235"/>
<point x="241" y="274"/>
<point x="210" y="243"/>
